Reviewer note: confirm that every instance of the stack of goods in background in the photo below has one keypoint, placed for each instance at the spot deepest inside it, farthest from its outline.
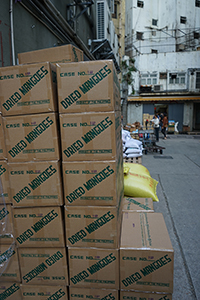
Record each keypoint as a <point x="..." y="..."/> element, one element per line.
<point x="90" y="122"/>
<point x="132" y="148"/>
<point x="146" y="121"/>
<point x="36" y="258"/>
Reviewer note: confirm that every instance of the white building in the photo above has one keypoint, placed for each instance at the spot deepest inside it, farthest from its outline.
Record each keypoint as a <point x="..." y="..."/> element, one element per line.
<point x="163" y="37"/>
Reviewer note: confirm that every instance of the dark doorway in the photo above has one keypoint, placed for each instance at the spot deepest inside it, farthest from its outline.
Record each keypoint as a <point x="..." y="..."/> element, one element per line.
<point x="196" y="116"/>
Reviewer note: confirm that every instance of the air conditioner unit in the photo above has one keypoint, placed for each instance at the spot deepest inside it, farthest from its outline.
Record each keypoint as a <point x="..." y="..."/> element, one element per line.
<point x="158" y="88"/>
<point x="103" y="20"/>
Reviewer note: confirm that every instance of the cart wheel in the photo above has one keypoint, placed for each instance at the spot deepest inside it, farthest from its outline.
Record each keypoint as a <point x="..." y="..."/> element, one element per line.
<point x="145" y="151"/>
<point x="161" y="152"/>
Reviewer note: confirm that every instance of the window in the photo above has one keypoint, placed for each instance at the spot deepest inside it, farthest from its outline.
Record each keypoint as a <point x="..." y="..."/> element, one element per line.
<point x="163" y="75"/>
<point x="140" y="3"/>
<point x="139" y="35"/>
<point x="114" y="15"/>
<point x="197" y="80"/>
<point x="154" y="22"/>
<point x="153" y="33"/>
<point x="148" y="79"/>
<point x="183" y="19"/>
<point x="196" y="35"/>
<point x="177" y="78"/>
<point x="154" y="51"/>
<point x="197" y="3"/>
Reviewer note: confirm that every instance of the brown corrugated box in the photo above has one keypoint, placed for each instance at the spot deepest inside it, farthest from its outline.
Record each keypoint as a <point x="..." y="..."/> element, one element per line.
<point x="93" y="294"/>
<point x="131" y="295"/>
<point x="9" y="263"/>
<point x="146" y="253"/>
<point x="36" y="183"/>
<point x="4" y="181"/>
<point x="43" y="292"/>
<point x="10" y="291"/>
<point x="94" y="267"/>
<point x="91" y="136"/>
<point x="93" y="226"/>
<point x="28" y="89"/>
<point x="32" y="137"/>
<point x="137" y="204"/>
<point x="88" y="86"/>
<point x="2" y="141"/>
<point x="38" y="227"/>
<point x="6" y="225"/>
<point x="95" y="183"/>
<point x="60" y="54"/>
<point x="43" y="266"/>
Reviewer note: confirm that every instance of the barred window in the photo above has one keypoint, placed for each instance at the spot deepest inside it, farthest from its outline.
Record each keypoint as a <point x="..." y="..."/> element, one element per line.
<point x="197" y="80"/>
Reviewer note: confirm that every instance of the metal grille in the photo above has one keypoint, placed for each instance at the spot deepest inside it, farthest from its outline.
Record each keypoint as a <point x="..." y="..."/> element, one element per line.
<point x="197" y="80"/>
<point x="164" y="156"/>
<point x="100" y="20"/>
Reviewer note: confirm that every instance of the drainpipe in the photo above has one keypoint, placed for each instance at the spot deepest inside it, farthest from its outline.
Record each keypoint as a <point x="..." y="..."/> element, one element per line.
<point x="12" y="32"/>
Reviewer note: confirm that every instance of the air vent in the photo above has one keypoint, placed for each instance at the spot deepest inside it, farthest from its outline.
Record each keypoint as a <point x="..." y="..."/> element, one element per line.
<point x="158" y="88"/>
<point x="100" y="20"/>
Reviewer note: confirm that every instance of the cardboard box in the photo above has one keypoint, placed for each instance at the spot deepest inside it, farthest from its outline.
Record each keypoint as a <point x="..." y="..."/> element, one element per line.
<point x="60" y="54"/>
<point x="43" y="266"/>
<point x="9" y="263"/>
<point x="88" y="86"/>
<point x="84" y="293"/>
<point x="93" y="267"/>
<point x="38" y="227"/>
<point x="137" y="205"/>
<point x="6" y="225"/>
<point x="2" y="141"/>
<point x="36" y="183"/>
<point x="28" y="89"/>
<point x="91" y="136"/>
<point x="95" y="183"/>
<point x="10" y="291"/>
<point x="32" y="137"/>
<point x="146" y="259"/>
<point x="43" y="292"/>
<point x="4" y="181"/>
<point x="96" y="226"/>
<point x="127" y="295"/>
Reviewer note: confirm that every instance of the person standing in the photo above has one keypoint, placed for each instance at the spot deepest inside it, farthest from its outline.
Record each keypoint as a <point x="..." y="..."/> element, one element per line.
<point x="156" y="122"/>
<point x="164" y="126"/>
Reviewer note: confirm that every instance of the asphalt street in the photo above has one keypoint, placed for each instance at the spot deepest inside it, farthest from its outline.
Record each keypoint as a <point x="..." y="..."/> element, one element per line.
<point x="177" y="171"/>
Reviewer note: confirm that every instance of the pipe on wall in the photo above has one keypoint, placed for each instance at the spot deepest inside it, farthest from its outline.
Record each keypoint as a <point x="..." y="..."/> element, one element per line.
<point x="12" y="32"/>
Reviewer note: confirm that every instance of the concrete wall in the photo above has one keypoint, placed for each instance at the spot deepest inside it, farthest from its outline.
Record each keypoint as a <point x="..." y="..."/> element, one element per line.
<point x="31" y="34"/>
<point x="134" y="113"/>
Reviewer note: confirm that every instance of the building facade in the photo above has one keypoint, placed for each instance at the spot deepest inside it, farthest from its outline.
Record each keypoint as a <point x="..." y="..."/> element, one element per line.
<point x="164" y="41"/>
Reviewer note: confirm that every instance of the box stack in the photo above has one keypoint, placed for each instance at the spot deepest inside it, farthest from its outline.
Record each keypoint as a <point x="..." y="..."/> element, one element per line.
<point x="147" y="117"/>
<point x="90" y="122"/>
<point x="30" y="119"/>
<point x="9" y="263"/>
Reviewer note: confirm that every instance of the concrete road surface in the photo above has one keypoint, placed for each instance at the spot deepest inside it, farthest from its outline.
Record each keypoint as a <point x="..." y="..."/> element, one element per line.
<point x="178" y="172"/>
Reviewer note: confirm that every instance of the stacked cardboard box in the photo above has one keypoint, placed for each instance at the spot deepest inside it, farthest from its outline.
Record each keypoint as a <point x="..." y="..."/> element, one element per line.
<point x="32" y="176"/>
<point x="146" y="253"/>
<point x="90" y="122"/>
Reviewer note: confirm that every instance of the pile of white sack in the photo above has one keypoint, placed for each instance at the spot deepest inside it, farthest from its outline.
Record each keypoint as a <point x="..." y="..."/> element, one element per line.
<point x="131" y="147"/>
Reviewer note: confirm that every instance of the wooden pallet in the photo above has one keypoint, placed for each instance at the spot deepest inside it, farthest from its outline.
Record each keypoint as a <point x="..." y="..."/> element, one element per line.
<point x="134" y="160"/>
